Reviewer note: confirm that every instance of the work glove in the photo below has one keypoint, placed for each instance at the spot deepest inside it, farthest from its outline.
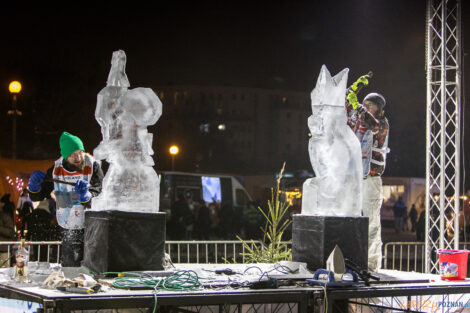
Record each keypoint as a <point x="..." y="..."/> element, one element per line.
<point x="81" y="188"/>
<point x="361" y="109"/>
<point x="35" y="181"/>
<point x="352" y="99"/>
<point x="360" y="82"/>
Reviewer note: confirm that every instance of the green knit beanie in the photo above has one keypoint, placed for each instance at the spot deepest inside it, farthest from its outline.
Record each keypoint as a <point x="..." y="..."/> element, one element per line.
<point x="69" y="144"/>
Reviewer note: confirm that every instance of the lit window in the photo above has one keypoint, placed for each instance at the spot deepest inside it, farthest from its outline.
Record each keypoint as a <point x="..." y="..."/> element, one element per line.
<point x="204" y="128"/>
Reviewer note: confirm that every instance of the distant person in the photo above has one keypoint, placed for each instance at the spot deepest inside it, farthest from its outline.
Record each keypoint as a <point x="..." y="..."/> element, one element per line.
<point x="7" y="227"/>
<point x="421" y="226"/>
<point x="214" y="219"/>
<point x="405" y="220"/>
<point x="399" y="211"/>
<point x="79" y="168"/>
<point x="189" y="218"/>
<point x="203" y="223"/>
<point x="8" y="206"/>
<point x="253" y="219"/>
<point x="25" y="208"/>
<point x="226" y="221"/>
<point x="413" y="217"/>
<point x="179" y="217"/>
<point x="24" y="198"/>
<point x="39" y="223"/>
<point x="40" y="227"/>
<point x="238" y="227"/>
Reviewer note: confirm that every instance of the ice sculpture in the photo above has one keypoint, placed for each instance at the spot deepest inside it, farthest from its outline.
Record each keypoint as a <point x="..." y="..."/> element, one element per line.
<point x="131" y="183"/>
<point x="335" y="152"/>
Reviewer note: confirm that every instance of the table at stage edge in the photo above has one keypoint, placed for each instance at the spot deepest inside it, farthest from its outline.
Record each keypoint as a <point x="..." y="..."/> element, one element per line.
<point x="305" y="297"/>
<point x="55" y="301"/>
<point x="435" y="287"/>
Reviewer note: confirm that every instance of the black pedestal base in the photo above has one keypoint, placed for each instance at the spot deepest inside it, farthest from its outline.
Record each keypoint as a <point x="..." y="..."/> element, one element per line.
<point x="314" y="238"/>
<point x="118" y="241"/>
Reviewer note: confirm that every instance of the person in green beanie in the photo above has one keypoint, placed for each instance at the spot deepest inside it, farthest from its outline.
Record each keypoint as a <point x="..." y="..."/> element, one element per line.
<point x="84" y="178"/>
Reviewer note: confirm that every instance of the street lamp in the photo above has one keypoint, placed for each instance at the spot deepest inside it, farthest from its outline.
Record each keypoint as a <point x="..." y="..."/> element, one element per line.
<point x="14" y="88"/>
<point x="174" y="150"/>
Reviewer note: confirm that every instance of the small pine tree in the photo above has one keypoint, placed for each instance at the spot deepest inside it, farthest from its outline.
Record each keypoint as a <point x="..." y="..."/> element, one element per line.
<point x="272" y="249"/>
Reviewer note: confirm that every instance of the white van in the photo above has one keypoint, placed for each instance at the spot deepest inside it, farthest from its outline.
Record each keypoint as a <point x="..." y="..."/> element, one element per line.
<point x="207" y="187"/>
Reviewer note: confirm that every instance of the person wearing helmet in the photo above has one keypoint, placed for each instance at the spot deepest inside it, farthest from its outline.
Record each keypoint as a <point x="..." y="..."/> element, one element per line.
<point x="368" y="122"/>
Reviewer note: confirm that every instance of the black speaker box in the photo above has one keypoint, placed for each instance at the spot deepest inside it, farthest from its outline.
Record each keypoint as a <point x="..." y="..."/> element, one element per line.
<point x="314" y="238"/>
<point x="117" y="241"/>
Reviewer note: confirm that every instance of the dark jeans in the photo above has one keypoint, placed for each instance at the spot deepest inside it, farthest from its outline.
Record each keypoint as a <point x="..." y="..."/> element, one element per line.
<point x="72" y="247"/>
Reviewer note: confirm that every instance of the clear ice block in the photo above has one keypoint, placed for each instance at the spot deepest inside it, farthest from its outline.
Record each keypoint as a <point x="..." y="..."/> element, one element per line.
<point x="334" y="151"/>
<point x="131" y="183"/>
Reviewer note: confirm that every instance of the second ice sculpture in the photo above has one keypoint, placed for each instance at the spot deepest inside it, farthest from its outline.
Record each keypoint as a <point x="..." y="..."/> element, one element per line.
<point x="335" y="152"/>
<point x="131" y="183"/>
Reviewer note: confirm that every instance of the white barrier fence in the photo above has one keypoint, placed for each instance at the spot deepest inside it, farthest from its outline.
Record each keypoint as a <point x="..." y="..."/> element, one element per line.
<point x="210" y="251"/>
<point x="408" y="256"/>
<point x="45" y="251"/>
<point x="402" y="256"/>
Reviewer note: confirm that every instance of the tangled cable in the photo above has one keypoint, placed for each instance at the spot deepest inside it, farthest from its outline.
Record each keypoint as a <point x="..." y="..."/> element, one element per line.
<point x="179" y="281"/>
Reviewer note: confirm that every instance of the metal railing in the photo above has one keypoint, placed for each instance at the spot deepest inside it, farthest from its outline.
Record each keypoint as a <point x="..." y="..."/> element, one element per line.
<point x="402" y="256"/>
<point x="44" y="251"/>
<point x="210" y="251"/>
<point x="408" y="256"/>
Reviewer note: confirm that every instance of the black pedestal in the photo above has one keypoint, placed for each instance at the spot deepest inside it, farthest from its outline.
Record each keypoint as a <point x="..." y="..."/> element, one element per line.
<point x="118" y="241"/>
<point x="314" y="238"/>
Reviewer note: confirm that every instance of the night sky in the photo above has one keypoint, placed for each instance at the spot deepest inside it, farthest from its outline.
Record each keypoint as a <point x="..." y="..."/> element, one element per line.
<point x="62" y="57"/>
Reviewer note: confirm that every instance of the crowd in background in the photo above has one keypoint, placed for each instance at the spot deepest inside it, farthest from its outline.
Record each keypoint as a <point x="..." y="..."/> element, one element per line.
<point x="33" y="223"/>
<point x="408" y="220"/>
<point x="196" y="220"/>
<point x="186" y="220"/>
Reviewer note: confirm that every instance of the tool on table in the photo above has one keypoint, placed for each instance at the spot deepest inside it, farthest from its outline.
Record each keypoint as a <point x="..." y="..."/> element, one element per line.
<point x="365" y="275"/>
<point x="331" y="281"/>
<point x="80" y="290"/>
<point x="336" y="274"/>
<point x="71" y="289"/>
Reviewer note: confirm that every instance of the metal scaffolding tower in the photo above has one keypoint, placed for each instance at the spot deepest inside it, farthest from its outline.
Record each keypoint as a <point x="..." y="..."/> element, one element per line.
<point x="443" y="71"/>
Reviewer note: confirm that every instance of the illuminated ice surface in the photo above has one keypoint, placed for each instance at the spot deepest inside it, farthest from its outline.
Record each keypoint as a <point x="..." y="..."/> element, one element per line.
<point x="131" y="183"/>
<point x="335" y="152"/>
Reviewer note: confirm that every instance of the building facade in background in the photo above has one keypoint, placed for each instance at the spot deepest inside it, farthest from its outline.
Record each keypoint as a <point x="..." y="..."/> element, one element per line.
<point x="231" y="129"/>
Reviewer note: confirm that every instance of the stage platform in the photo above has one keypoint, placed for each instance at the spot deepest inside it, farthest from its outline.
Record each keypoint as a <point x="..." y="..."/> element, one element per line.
<point x="428" y="293"/>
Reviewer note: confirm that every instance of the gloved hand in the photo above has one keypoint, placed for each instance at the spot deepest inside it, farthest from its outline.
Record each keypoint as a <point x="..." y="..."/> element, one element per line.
<point x="352" y="98"/>
<point x="361" y="109"/>
<point x="35" y="181"/>
<point x="81" y="188"/>
<point x="361" y="81"/>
